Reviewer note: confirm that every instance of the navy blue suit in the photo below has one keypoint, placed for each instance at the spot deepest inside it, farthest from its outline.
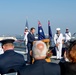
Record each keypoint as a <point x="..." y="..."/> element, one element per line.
<point x="68" y="68"/>
<point x="41" y="67"/>
<point x="11" y="60"/>
<point x="31" y="38"/>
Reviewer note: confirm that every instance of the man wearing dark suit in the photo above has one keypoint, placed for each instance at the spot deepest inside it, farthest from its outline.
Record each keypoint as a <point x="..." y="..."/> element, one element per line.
<point x="40" y="66"/>
<point x="31" y="39"/>
<point x="10" y="60"/>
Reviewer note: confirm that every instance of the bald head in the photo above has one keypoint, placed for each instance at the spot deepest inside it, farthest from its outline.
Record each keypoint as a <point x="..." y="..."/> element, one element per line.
<point x="40" y="46"/>
<point x="39" y="50"/>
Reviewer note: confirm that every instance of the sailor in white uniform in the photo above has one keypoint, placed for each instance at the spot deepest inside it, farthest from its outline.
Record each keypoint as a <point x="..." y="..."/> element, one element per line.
<point x="25" y="38"/>
<point x="58" y="40"/>
<point x="1" y="50"/>
<point x="67" y="35"/>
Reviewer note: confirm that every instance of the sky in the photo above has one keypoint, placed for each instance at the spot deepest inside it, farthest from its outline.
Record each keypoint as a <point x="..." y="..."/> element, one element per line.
<point x="13" y="15"/>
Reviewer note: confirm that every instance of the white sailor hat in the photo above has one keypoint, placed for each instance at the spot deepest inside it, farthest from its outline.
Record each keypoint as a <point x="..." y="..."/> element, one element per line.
<point x="67" y="28"/>
<point x="57" y="29"/>
<point x="26" y="28"/>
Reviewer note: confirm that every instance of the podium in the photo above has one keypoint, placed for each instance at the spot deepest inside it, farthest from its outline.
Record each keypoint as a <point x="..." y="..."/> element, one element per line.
<point x="47" y="41"/>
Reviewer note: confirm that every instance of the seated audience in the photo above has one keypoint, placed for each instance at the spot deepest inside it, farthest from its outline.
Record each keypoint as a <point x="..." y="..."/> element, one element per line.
<point x="69" y="67"/>
<point x="10" y="60"/>
<point x="40" y="66"/>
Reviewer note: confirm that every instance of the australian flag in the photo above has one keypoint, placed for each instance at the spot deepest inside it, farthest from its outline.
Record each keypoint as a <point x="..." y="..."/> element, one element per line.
<point x="41" y="34"/>
<point x="49" y="30"/>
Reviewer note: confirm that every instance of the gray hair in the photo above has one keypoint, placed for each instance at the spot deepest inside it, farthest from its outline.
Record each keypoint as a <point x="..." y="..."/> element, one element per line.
<point x="37" y="53"/>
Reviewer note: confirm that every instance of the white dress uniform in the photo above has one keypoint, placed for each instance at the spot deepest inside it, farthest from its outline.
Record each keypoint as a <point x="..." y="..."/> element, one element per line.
<point x="26" y="40"/>
<point x="25" y="37"/>
<point x="58" y="39"/>
<point x="1" y="50"/>
<point x="67" y="36"/>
